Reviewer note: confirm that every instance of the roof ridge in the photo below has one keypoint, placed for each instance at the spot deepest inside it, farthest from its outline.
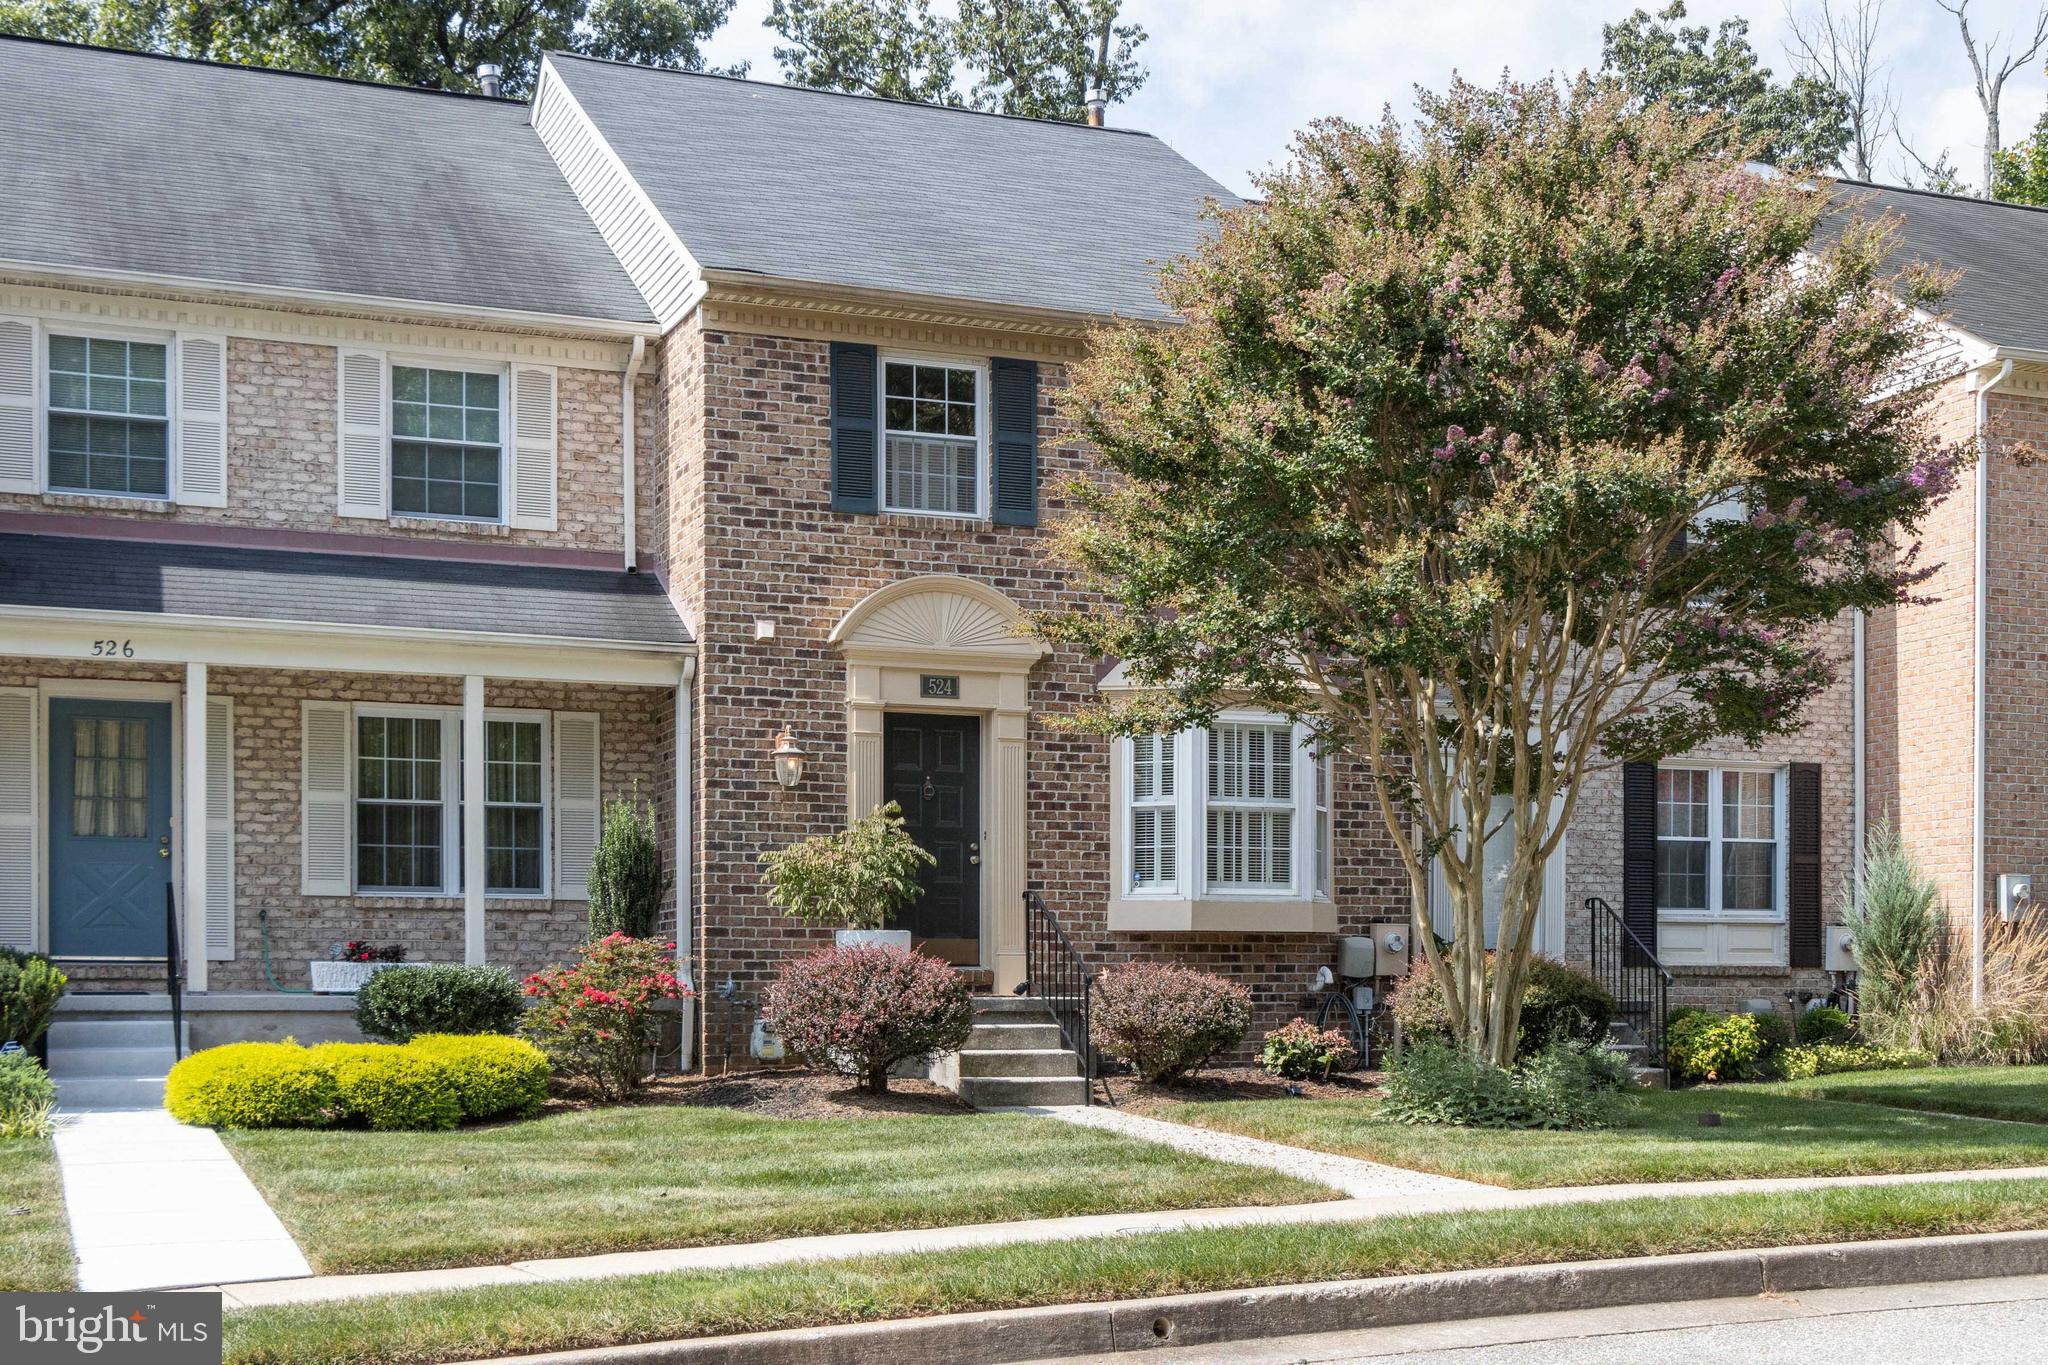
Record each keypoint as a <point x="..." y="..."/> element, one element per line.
<point x="259" y="70"/>
<point x="848" y="94"/>
<point x="1941" y="194"/>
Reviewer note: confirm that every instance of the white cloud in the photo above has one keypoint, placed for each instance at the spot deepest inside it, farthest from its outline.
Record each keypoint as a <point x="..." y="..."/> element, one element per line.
<point x="1233" y="80"/>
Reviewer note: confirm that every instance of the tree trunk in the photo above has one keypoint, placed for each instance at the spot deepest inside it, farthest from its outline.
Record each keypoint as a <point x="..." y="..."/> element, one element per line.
<point x="1991" y="145"/>
<point x="876" y="1080"/>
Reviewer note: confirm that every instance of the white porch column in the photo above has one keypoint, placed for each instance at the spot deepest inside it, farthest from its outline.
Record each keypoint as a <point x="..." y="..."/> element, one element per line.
<point x="473" y="819"/>
<point x="192" y="826"/>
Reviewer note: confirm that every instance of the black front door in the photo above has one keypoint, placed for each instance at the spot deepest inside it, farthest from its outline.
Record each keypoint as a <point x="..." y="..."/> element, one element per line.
<point x="934" y="775"/>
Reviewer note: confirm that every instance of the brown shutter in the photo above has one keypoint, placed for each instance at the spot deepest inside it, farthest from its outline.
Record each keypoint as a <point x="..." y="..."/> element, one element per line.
<point x="1802" y="881"/>
<point x="1639" y="850"/>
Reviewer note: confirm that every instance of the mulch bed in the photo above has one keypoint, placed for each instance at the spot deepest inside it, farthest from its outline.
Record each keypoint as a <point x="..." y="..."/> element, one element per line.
<point x="1231" y="1083"/>
<point x="785" y="1094"/>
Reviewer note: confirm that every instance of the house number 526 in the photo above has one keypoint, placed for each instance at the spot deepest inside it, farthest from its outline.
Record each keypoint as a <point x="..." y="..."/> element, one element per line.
<point x="113" y="649"/>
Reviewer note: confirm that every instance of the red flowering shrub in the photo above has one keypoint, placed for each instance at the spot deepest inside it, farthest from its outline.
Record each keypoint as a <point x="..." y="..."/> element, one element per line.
<point x="860" y="1010"/>
<point x="596" y="1020"/>
<point x="1165" y="1020"/>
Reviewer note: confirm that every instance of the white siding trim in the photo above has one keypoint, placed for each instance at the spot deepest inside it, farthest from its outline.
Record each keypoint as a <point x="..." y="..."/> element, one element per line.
<point x="325" y="814"/>
<point x="18" y="802"/>
<point x="201" y="425"/>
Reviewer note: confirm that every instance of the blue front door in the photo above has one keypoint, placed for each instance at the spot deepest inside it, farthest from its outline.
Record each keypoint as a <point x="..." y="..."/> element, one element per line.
<point x="110" y="827"/>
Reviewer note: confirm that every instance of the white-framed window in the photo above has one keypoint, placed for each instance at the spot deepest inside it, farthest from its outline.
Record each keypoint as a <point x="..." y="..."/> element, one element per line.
<point x="1720" y="842"/>
<point x="108" y="415"/>
<point x="1238" y="810"/>
<point x="408" y="801"/>
<point x="934" y="447"/>
<point x="447" y="441"/>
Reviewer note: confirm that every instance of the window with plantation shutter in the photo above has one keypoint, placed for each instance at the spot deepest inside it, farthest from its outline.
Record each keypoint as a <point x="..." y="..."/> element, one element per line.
<point x="1154" y="847"/>
<point x="17" y="405"/>
<point x="18" y="706"/>
<point x="1250" y="809"/>
<point x="576" y="802"/>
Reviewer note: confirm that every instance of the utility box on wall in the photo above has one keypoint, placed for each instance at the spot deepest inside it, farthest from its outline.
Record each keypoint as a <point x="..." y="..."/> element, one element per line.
<point x="1841" y="956"/>
<point x="2015" y="894"/>
<point x="1355" y="956"/>
<point x="1390" y="949"/>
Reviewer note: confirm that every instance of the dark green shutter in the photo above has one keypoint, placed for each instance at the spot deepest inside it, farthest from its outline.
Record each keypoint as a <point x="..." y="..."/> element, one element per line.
<point x="1802" y="874"/>
<point x="1013" y="393"/>
<point x="854" y="422"/>
<point x="1639" y="850"/>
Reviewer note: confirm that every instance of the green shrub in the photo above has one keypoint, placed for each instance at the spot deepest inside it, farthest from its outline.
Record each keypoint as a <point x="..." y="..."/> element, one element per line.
<point x="493" y="1076"/>
<point x="1701" y="1045"/>
<point x="1825" y="1059"/>
<point x="596" y="1021"/>
<point x="1166" y="1020"/>
<point x="251" y="1085"/>
<point x="1562" y="1004"/>
<point x="1299" y="1051"/>
<point x="28" y="1097"/>
<point x="628" y="885"/>
<point x="855" y="879"/>
<point x="396" y="1005"/>
<point x="1893" y="917"/>
<point x="29" y="990"/>
<point x="1566" y="1085"/>
<point x="1824" y="1024"/>
<point x="389" y="1088"/>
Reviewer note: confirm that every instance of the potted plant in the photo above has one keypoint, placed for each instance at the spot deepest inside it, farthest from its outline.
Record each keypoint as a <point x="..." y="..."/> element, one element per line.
<point x="348" y="965"/>
<point x="854" y="881"/>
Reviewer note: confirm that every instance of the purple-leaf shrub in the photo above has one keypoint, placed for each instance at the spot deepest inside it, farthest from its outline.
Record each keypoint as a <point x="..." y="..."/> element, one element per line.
<point x="1165" y="1020"/>
<point x="859" y="1010"/>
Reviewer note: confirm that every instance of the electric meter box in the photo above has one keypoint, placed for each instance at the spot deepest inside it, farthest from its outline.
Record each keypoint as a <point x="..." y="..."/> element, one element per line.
<point x="1390" y="942"/>
<point x="1841" y="951"/>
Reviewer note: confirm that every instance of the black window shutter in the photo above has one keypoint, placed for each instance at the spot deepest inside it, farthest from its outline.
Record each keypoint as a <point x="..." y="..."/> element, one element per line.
<point x="1013" y="394"/>
<point x="1639" y="850"/>
<point x="1802" y="879"/>
<point x="854" y="418"/>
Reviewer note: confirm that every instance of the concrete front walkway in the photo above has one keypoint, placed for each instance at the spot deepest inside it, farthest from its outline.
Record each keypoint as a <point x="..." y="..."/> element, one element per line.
<point x="792" y="1249"/>
<point x="154" y="1204"/>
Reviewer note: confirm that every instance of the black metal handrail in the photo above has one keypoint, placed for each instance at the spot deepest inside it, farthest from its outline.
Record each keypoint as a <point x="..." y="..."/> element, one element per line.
<point x="1626" y="966"/>
<point x="174" y="971"/>
<point x="1057" y="974"/>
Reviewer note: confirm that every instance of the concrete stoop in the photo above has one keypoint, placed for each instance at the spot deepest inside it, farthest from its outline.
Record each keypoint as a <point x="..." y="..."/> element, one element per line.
<point x="108" y="1064"/>
<point x="1015" y="1056"/>
<point x="1623" y="1038"/>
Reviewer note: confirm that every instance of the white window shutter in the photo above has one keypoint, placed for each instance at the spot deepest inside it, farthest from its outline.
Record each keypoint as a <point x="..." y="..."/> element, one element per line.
<point x="323" y="798"/>
<point x="365" y="447"/>
<point x="18" y="817"/>
<point x="576" y="807"/>
<point x="220" y="829"/>
<point x="532" y="466"/>
<point x="202" y="420"/>
<point x="18" y="423"/>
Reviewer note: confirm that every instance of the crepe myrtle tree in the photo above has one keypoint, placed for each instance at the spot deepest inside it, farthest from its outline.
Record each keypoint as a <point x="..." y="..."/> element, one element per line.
<point x="1541" y="434"/>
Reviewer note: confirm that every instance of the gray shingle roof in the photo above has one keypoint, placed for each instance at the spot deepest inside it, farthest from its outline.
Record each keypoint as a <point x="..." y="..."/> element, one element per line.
<point x="86" y="575"/>
<point x="835" y="189"/>
<point x="119" y="161"/>
<point x="2001" y="250"/>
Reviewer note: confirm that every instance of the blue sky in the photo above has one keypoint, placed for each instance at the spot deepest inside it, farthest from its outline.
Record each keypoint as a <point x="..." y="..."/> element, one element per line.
<point x="1232" y="80"/>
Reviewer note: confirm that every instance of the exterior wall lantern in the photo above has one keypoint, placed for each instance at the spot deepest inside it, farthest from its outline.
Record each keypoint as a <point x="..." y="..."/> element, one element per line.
<point x="789" y="760"/>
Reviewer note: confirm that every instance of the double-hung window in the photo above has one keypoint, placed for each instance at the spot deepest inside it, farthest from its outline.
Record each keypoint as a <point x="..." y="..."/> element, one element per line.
<point x="447" y="446"/>
<point x="1719" y="840"/>
<point x="109" y="416"/>
<point x="932" y="444"/>
<point x="1240" y="810"/>
<point x="408" y="803"/>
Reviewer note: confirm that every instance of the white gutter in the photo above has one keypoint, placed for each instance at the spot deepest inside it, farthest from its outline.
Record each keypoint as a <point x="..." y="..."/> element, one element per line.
<point x="633" y="363"/>
<point x="685" y="928"/>
<point x="1856" y="855"/>
<point x="1977" y="690"/>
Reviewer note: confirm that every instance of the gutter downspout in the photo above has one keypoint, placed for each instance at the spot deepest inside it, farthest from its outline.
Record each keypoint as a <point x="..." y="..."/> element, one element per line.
<point x="1859" y="814"/>
<point x="626" y="443"/>
<point x="1977" y="690"/>
<point x="685" y="861"/>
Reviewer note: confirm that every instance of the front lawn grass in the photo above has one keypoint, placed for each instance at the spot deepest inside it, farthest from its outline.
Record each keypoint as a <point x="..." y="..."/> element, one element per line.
<point x="1992" y="1092"/>
<point x="626" y="1179"/>
<point x="509" y="1320"/>
<point x="1762" y="1134"/>
<point x="35" y="1241"/>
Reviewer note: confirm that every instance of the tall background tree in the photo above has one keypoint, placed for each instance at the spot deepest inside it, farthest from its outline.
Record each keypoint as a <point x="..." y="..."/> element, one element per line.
<point x="1993" y="59"/>
<point x="1030" y="57"/>
<point x="1803" y="122"/>
<point x="1498" y="450"/>
<point x="1836" y="42"/>
<point x="436" y="44"/>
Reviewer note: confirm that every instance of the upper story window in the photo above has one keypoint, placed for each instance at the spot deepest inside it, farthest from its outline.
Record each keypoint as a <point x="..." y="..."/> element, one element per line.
<point x="447" y="449"/>
<point x="109" y="416"/>
<point x="1719" y="835"/>
<point x="931" y="438"/>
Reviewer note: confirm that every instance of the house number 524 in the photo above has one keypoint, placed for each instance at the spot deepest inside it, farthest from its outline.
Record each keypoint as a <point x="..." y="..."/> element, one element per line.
<point x="113" y="649"/>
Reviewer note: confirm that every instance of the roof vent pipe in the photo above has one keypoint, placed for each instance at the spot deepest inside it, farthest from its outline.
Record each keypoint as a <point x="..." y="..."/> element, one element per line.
<point x="1097" y="106"/>
<point x="492" y="79"/>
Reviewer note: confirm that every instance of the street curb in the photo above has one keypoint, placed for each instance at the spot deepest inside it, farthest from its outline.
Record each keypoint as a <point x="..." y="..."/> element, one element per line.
<point x="1024" y="1334"/>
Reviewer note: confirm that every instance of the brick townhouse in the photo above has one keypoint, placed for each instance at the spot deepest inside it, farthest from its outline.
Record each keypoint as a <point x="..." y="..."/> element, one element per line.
<point x="697" y="439"/>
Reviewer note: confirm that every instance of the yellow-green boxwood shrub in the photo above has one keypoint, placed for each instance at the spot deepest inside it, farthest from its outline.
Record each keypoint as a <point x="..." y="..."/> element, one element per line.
<point x="494" y="1076"/>
<point x="388" y="1088"/>
<point x="251" y="1085"/>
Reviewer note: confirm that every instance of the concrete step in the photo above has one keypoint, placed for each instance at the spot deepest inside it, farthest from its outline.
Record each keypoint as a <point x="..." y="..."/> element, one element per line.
<point x="989" y="1092"/>
<point x="1650" y="1078"/>
<point x="1011" y="1037"/>
<point x="133" y="1031"/>
<point x="1009" y="1004"/>
<point x="68" y="1060"/>
<point x="1037" y="1061"/>
<point x="110" y="1092"/>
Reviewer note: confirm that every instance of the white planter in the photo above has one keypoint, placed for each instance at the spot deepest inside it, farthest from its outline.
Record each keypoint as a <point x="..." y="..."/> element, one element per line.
<point x="346" y="978"/>
<point x="853" y="938"/>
